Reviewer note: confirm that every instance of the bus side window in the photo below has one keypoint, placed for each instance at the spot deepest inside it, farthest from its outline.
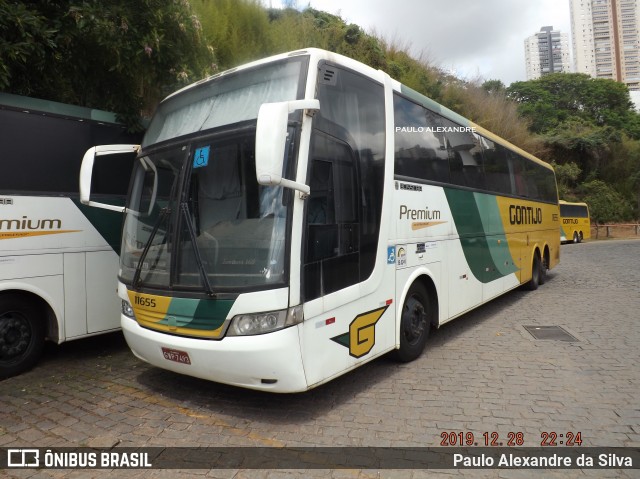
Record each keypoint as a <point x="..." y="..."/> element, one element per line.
<point x="465" y="157"/>
<point x="420" y="146"/>
<point x="520" y="186"/>
<point x="496" y="167"/>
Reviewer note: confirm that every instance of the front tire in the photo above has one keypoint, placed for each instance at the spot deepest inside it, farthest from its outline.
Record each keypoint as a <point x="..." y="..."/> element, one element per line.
<point x="415" y="323"/>
<point x="21" y="335"/>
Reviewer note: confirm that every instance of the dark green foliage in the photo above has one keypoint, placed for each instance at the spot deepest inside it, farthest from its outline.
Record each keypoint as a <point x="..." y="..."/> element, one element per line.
<point x="589" y="123"/>
<point x="493" y="87"/>
<point x="567" y="175"/>
<point x="553" y="99"/>
<point x="113" y="55"/>
<point x="605" y="204"/>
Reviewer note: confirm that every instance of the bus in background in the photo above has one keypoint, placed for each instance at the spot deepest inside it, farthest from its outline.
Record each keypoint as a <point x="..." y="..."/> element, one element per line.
<point x="575" y="222"/>
<point x="296" y="217"/>
<point x="58" y="257"/>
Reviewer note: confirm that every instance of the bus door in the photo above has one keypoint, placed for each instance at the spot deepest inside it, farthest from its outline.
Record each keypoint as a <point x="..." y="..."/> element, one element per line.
<point x="346" y="286"/>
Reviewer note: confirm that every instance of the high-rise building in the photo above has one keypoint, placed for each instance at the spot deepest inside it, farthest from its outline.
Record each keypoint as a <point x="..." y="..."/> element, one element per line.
<point x="606" y="39"/>
<point x="546" y="52"/>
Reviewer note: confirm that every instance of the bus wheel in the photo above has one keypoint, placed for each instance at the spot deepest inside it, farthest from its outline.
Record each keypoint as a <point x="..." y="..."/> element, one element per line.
<point x="580" y="237"/>
<point x="544" y="267"/>
<point x="534" y="282"/>
<point x="576" y="238"/>
<point x="415" y="323"/>
<point x="21" y="336"/>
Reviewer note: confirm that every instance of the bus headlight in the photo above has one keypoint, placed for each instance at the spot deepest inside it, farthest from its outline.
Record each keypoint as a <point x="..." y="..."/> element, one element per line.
<point x="127" y="310"/>
<point x="261" y="323"/>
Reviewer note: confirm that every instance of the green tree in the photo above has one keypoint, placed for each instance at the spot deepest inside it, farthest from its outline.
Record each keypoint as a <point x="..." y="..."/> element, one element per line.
<point x="583" y="143"/>
<point x="494" y="87"/>
<point x="553" y="99"/>
<point x="567" y="176"/>
<point x="605" y="204"/>
<point x="26" y="38"/>
<point x="115" y="55"/>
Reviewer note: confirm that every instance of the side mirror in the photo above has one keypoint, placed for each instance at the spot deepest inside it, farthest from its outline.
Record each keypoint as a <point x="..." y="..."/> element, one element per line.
<point x="271" y="135"/>
<point x="86" y="172"/>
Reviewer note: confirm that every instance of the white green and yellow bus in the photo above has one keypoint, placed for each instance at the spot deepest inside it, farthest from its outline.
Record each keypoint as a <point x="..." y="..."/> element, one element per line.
<point x="296" y="217"/>
<point x="58" y="257"/>
<point x="575" y="222"/>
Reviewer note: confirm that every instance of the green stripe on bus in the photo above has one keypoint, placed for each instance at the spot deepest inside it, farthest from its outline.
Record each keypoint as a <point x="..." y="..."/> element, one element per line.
<point x="205" y="314"/>
<point x="497" y="239"/>
<point x="482" y="236"/>
<point x="107" y="223"/>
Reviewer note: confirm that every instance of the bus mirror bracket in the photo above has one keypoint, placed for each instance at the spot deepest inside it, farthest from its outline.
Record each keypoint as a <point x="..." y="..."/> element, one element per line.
<point x="271" y="136"/>
<point x="86" y="171"/>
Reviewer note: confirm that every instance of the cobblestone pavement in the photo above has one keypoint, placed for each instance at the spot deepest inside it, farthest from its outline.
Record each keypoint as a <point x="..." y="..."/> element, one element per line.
<point x="480" y="373"/>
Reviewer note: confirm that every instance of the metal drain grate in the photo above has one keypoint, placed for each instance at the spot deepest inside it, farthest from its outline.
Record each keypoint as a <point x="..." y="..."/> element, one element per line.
<point x="555" y="333"/>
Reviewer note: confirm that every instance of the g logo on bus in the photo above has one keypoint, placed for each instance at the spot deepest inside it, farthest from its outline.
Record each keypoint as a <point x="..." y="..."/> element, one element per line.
<point x="362" y="333"/>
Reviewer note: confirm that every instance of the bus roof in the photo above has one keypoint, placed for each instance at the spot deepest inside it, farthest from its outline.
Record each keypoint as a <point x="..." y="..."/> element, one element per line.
<point x="32" y="105"/>
<point x="563" y="202"/>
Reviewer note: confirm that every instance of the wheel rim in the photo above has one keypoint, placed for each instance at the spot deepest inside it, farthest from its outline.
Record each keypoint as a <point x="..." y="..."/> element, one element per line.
<point x="15" y="335"/>
<point x="414" y="320"/>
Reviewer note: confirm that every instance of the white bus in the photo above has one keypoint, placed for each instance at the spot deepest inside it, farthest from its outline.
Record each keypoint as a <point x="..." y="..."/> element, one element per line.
<point x="58" y="258"/>
<point x="296" y="217"/>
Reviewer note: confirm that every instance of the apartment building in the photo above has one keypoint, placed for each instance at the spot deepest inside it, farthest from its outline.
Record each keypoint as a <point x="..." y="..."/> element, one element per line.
<point x="546" y="52"/>
<point x="606" y="39"/>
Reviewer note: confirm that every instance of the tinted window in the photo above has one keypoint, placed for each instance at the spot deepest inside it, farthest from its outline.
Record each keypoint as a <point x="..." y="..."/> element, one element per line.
<point x="42" y="154"/>
<point x="465" y="156"/>
<point x="420" y="145"/>
<point x="574" y="211"/>
<point x="346" y="166"/>
<point x="332" y="234"/>
<point x="496" y="167"/>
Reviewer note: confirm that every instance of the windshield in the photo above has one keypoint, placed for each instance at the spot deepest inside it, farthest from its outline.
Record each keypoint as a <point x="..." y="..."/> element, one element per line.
<point x="228" y="99"/>
<point x="222" y="231"/>
<point x="197" y="219"/>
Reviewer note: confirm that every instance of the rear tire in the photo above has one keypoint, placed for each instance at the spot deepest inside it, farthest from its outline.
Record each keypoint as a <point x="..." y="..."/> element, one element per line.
<point x="576" y="238"/>
<point x="21" y="335"/>
<point x="415" y="323"/>
<point x="544" y="267"/>
<point x="534" y="282"/>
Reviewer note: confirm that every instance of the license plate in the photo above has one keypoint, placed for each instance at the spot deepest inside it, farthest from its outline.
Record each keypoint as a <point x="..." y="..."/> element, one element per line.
<point x="176" y="355"/>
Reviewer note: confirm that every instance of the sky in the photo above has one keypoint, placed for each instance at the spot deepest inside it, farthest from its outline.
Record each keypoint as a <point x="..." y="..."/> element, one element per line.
<point x="473" y="39"/>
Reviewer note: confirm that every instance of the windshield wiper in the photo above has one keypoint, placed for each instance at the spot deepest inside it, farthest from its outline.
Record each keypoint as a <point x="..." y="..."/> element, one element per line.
<point x="164" y="212"/>
<point x="196" y="251"/>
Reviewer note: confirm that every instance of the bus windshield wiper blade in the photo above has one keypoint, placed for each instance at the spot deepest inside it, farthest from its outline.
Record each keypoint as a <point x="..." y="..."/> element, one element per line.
<point x="164" y="212"/>
<point x="196" y="251"/>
